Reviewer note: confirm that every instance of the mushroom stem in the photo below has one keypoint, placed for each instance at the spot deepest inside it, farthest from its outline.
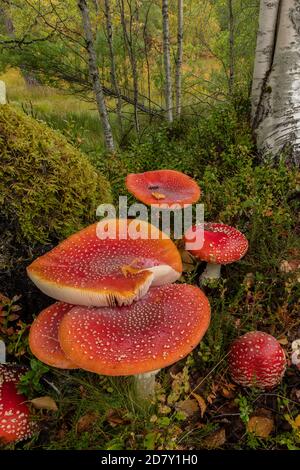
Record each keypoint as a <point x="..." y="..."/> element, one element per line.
<point x="212" y="271"/>
<point x="2" y="352"/>
<point x="145" y="384"/>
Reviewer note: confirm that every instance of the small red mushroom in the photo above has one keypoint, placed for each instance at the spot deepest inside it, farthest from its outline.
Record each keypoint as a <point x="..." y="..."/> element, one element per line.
<point x="15" y="423"/>
<point x="163" y="186"/>
<point x="43" y="336"/>
<point x="87" y="269"/>
<point x="222" y="244"/>
<point x="256" y="359"/>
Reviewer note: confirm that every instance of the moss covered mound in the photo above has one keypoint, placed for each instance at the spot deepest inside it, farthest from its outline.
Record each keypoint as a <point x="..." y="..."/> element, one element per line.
<point x="48" y="189"/>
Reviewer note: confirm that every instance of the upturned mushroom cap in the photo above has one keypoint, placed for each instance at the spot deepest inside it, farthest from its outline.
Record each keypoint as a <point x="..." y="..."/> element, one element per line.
<point x="88" y="270"/>
<point x="256" y="359"/>
<point x="163" y="186"/>
<point x="43" y="336"/>
<point x="155" y="332"/>
<point x="222" y="244"/>
<point x="15" y="423"/>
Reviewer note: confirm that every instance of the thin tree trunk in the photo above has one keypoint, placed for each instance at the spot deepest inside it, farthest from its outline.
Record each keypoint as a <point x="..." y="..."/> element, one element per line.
<point x="113" y="73"/>
<point x="167" y="60"/>
<point x="147" y="38"/>
<point x="277" y="118"/>
<point x="94" y="75"/>
<point x="265" y="47"/>
<point x="179" y="57"/>
<point x="231" y="48"/>
<point x="129" y="46"/>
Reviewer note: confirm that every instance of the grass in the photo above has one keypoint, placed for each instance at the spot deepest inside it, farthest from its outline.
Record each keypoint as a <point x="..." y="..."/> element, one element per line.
<point x="96" y="412"/>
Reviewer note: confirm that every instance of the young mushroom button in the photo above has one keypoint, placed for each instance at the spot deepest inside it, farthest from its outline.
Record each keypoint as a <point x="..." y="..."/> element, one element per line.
<point x="256" y="359"/>
<point x="15" y="423"/>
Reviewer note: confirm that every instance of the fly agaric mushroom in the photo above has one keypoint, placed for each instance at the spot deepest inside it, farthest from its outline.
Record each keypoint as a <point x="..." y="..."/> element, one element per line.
<point x="222" y="244"/>
<point x="160" y="329"/>
<point x="15" y="423"/>
<point x="256" y="359"/>
<point x="163" y="186"/>
<point x="43" y="336"/>
<point x="89" y="269"/>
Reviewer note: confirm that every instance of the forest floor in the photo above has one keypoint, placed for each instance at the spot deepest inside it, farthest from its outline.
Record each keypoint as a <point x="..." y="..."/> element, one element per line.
<point x="197" y="405"/>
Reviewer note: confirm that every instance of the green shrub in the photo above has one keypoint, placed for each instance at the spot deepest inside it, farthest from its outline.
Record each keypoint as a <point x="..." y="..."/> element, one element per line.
<point x="48" y="189"/>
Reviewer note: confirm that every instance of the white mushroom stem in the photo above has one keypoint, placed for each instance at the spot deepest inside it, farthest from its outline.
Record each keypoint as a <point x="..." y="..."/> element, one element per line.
<point x="212" y="271"/>
<point x="2" y="352"/>
<point x="145" y="384"/>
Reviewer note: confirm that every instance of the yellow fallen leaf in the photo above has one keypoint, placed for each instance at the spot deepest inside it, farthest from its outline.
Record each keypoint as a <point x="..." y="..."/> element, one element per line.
<point x="261" y="426"/>
<point x="158" y="195"/>
<point x="297" y="421"/>
<point x="201" y="403"/>
<point x="44" y="403"/>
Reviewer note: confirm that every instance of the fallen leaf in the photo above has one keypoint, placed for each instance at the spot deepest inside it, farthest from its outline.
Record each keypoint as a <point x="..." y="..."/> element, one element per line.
<point x="283" y="340"/>
<point x="189" y="407"/>
<point x="44" y="403"/>
<point x="114" y="418"/>
<point x="201" y="403"/>
<point x="216" y="439"/>
<point x="158" y="195"/>
<point x="261" y="426"/>
<point x="187" y="261"/>
<point x="86" y="421"/>
<point x="297" y="421"/>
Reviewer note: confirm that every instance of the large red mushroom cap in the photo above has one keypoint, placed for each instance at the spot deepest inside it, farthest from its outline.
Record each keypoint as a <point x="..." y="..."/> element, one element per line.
<point x="163" y="186"/>
<point x="43" y="336"/>
<point x="222" y="244"/>
<point x="15" y="423"/>
<point x="89" y="269"/>
<point x="256" y="359"/>
<point x="163" y="327"/>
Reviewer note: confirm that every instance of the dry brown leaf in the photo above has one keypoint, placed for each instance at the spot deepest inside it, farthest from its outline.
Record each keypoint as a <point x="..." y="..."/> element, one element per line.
<point x="44" y="403"/>
<point x="215" y="440"/>
<point x="114" y="418"/>
<point x="201" y="403"/>
<point x="261" y="426"/>
<point x="187" y="261"/>
<point x="189" y="407"/>
<point x="283" y="340"/>
<point x="86" y="422"/>
<point x="158" y="196"/>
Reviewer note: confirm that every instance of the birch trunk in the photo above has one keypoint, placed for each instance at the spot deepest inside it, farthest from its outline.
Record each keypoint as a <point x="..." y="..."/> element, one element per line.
<point x="179" y="57"/>
<point x="94" y="75"/>
<point x="113" y="73"/>
<point x="167" y="60"/>
<point x="231" y="48"/>
<point x="276" y="118"/>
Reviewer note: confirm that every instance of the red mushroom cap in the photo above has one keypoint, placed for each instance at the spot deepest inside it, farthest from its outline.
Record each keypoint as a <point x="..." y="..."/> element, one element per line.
<point x="222" y="244"/>
<point x="43" y="336"/>
<point x="155" y="332"/>
<point x="92" y="271"/>
<point x="256" y="359"/>
<point x="15" y="424"/>
<point x="163" y="186"/>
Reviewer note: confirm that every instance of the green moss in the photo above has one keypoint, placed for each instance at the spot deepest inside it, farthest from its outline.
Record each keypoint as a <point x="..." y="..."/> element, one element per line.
<point x="48" y="189"/>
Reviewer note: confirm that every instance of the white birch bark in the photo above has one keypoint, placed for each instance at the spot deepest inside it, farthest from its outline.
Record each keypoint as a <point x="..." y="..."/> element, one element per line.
<point x="167" y="60"/>
<point x="94" y="75"/>
<point x="179" y="56"/>
<point x="277" y="119"/>
<point x="264" y="49"/>
<point x="113" y="73"/>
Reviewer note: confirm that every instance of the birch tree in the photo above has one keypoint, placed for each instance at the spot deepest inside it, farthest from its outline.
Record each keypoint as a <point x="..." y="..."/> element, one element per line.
<point x="276" y="78"/>
<point x="231" y="47"/>
<point x="179" y="56"/>
<point x="113" y="72"/>
<point x="167" y="60"/>
<point x="94" y="75"/>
